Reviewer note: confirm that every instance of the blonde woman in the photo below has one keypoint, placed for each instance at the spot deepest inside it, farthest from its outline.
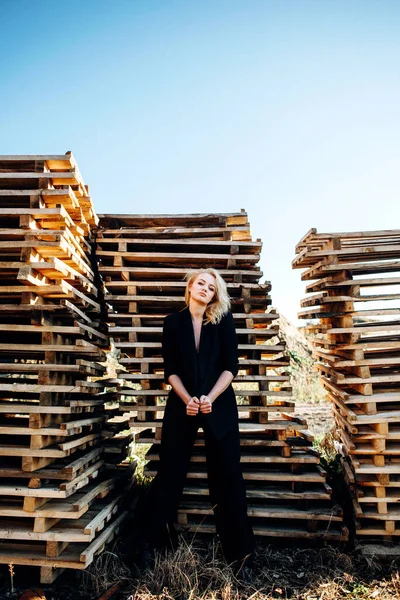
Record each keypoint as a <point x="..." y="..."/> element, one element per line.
<point x="200" y="361"/>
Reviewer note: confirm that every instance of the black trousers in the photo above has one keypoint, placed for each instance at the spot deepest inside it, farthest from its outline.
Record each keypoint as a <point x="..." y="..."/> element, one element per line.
<point x="225" y="480"/>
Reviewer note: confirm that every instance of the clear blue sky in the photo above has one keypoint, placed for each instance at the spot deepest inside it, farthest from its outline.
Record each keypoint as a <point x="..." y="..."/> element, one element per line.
<point x="287" y="108"/>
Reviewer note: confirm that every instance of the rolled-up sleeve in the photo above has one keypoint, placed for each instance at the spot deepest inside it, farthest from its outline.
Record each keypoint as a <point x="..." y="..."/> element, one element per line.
<point x="229" y="344"/>
<point x="169" y="349"/>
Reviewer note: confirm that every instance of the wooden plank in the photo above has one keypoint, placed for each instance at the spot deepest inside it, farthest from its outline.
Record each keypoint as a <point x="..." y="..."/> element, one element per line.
<point x="87" y="556"/>
<point x="272" y="512"/>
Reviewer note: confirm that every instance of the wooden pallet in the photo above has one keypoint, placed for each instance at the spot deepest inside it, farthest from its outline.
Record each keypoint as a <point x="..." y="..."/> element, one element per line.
<point x="354" y="311"/>
<point x="143" y="261"/>
<point x="54" y="465"/>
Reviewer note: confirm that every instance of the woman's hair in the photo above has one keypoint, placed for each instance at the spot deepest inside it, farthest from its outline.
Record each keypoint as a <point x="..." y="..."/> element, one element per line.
<point x="220" y="304"/>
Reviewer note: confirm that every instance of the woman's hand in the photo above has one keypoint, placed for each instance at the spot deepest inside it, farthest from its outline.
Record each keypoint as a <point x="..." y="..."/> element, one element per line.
<point x="205" y="405"/>
<point x="192" y="407"/>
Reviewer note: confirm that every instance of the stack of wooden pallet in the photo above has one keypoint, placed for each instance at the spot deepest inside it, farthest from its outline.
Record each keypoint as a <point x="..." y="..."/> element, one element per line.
<point x="353" y="313"/>
<point x="143" y="260"/>
<point x="54" y="490"/>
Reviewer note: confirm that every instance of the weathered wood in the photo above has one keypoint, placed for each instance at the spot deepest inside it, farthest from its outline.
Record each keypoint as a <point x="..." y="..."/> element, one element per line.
<point x="51" y="335"/>
<point x="357" y="350"/>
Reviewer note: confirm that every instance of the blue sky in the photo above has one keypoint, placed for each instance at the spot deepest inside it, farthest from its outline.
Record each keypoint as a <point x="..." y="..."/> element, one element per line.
<point x="287" y="108"/>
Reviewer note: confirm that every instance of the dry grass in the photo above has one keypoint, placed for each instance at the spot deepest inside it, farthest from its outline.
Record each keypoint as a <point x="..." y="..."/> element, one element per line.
<point x="196" y="571"/>
<point x="106" y="570"/>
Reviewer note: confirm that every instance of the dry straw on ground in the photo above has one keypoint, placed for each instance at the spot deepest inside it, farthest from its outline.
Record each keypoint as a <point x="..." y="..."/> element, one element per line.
<point x="196" y="571"/>
<point x="326" y="573"/>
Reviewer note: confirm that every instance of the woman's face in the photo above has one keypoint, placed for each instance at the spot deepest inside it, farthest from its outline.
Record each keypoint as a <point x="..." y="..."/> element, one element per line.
<point x="203" y="288"/>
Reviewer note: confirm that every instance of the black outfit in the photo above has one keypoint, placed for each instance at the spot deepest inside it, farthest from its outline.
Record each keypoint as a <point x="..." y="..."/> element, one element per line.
<point x="199" y="371"/>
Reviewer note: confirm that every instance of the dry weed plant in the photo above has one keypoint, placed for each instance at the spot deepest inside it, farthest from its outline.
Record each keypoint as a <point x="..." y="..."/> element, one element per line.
<point x="107" y="569"/>
<point x="197" y="572"/>
<point x="327" y="445"/>
<point x="192" y="571"/>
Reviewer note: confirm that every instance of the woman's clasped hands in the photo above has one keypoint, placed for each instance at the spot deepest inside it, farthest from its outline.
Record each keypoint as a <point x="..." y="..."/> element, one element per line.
<point x="194" y="405"/>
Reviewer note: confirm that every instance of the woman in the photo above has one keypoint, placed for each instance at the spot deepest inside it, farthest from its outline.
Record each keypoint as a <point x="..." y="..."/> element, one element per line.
<point x="200" y="362"/>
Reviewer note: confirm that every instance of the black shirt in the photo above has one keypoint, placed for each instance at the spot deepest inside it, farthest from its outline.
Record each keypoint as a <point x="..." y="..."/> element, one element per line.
<point x="200" y="370"/>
